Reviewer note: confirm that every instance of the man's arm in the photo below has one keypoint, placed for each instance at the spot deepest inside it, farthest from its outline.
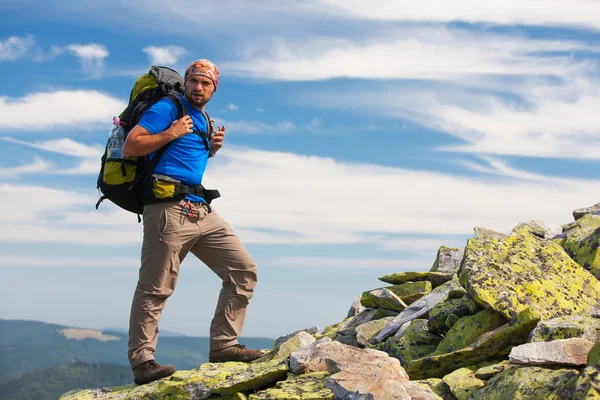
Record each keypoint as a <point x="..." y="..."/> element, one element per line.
<point x="141" y="142"/>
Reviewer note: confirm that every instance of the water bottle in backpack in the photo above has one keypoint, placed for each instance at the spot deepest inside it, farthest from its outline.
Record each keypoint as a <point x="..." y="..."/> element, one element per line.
<point x="116" y="139"/>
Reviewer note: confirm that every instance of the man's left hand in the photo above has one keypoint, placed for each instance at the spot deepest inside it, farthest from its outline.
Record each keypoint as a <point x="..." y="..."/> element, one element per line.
<point x="216" y="141"/>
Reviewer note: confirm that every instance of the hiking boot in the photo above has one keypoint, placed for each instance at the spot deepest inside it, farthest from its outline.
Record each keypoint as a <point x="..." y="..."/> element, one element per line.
<point x="237" y="352"/>
<point x="151" y="371"/>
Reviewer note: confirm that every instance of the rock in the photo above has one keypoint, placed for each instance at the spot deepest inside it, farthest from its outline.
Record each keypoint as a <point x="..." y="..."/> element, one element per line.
<point x="306" y="386"/>
<point x="436" y="278"/>
<point x="566" y="327"/>
<point x="383" y="298"/>
<point x="211" y="378"/>
<point x="582" y="241"/>
<point x="366" y="331"/>
<point x="280" y="340"/>
<point x="523" y="271"/>
<point x="448" y="260"/>
<point x="538" y="228"/>
<point x="416" y="310"/>
<point x="457" y="290"/>
<point x="438" y="316"/>
<point x="383" y="313"/>
<point x="482" y="233"/>
<point x="416" y="342"/>
<point x="468" y="329"/>
<point x="331" y="330"/>
<point x="285" y="345"/>
<point x="327" y="355"/>
<point x="347" y="332"/>
<point x="462" y="383"/>
<point x="348" y="386"/>
<point x="410" y="292"/>
<point x="356" y="308"/>
<point x="438" y="387"/>
<point x="587" y="385"/>
<point x="572" y="351"/>
<point x="485" y="373"/>
<point x="489" y="345"/>
<point x="580" y="212"/>
<point x="594" y="355"/>
<point x="529" y="383"/>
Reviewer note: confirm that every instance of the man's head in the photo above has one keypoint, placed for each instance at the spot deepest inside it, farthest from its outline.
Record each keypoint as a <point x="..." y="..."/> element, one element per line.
<point x="201" y="80"/>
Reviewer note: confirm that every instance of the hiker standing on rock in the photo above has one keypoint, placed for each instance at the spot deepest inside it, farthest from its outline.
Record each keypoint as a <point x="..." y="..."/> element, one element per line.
<point x="174" y="226"/>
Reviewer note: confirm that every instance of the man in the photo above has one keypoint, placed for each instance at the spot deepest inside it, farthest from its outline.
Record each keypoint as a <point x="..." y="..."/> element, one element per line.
<point x="174" y="226"/>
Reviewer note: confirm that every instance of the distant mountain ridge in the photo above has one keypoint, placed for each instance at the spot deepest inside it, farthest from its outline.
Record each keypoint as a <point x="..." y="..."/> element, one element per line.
<point x="28" y="346"/>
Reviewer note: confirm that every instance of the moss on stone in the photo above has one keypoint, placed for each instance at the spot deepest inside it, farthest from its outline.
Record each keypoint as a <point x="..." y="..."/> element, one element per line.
<point x="468" y="329"/>
<point x="438" y="316"/>
<point x="587" y="384"/>
<point x="566" y="327"/>
<point x="309" y="386"/>
<point x="489" y="371"/>
<point x="438" y="387"/>
<point x="332" y="330"/>
<point x="417" y="342"/>
<point x="382" y="298"/>
<point x="530" y="383"/>
<point x="462" y="383"/>
<point x="491" y="344"/>
<point x="583" y="241"/>
<point x="436" y="278"/>
<point x="523" y="271"/>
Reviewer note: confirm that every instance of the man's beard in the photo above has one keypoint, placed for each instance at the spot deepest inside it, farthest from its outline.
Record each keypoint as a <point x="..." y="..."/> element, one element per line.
<point x="199" y="104"/>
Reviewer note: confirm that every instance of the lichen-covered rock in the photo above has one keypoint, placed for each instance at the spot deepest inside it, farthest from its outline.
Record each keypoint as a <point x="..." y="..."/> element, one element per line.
<point x="436" y="278"/>
<point x="572" y="352"/>
<point x="566" y="327"/>
<point x="365" y="332"/>
<point x="280" y="340"/>
<point x="523" y="271"/>
<point x="347" y="332"/>
<point x="485" y="373"/>
<point x="538" y="228"/>
<point x="438" y="387"/>
<point x="332" y="330"/>
<point x="587" y="384"/>
<point x="582" y="242"/>
<point x="448" y="260"/>
<point x="580" y="212"/>
<point x="438" y="316"/>
<point x="383" y="298"/>
<point x="285" y="347"/>
<point x="482" y="233"/>
<point x="416" y="310"/>
<point x="457" y="291"/>
<point x="309" y="386"/>
<point x="383" y="313"/>
<point x="489" y="345"/>
<point x="210" y="378"/>
<point x="415" y="342"/>
<point x="408" y="292"/>
<point x="347" y="386"/>
<point x="594" y="355"/>
<point x="468" y="329"/>
<point x="462" y="383"/>
<point x="529" y="383"/>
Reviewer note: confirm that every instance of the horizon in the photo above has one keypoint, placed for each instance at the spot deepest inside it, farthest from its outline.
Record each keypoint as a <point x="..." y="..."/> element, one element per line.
<point x="360" y="138"/>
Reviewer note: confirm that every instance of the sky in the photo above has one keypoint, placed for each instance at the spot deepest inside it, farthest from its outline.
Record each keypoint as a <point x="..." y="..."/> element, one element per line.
<point x="361" y="137"/>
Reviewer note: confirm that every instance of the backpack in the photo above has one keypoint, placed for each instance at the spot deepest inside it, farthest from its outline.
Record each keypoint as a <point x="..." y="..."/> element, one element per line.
<point x="121" y="179"/>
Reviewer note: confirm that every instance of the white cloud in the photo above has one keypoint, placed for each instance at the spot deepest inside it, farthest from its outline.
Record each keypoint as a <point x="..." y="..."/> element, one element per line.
<point x="41" y="55"/>
<point x="80" y="262"/>
<point x="232" y="107"/>
<point x="63" y="146"/>
<point x="91" y="56"/>
<point x="38" y="166"/>
<point x="167" y="55"/>
<point x="283" y="198"/>
<point x="257" y="127"/>
<point x="574" y="13"/>
<point x="80" y="109"/>
<point x="15" y="47"/>
<point x="410" y="53"/>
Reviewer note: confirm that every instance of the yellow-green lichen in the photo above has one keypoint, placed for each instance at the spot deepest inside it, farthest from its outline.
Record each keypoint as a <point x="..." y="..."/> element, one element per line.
<point x="582" y="242"/>
<point x="462" y="383"/>
<point x="587" y="384"/>
<point x="438" y="316"/>
<point x="523" y="271"/>
<point x="437" y="386"/>
<point x="436" y="278"/>
<point x="417" y="342"/>
<point x="529" y="383"/>
<point x="489" y="371"/>
<point x="309" y="386"/>
<point x="490" y="344"/>
<point x="332" y="330"/>
<point x="382" y="298"/>
<point x="566" y="327"/>
<point x="468" y="329"/>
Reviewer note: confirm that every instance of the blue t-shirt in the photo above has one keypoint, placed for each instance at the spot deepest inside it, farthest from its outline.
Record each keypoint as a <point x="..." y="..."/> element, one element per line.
<point x="186" y="158"/>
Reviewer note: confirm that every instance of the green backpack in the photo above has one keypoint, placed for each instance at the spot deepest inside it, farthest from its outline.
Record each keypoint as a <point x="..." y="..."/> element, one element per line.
<point x="121" y="180"/>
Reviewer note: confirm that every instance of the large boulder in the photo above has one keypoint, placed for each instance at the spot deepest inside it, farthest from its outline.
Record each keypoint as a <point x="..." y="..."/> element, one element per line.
<point x="298" y="387"/>
<point x="566" y="327"/>
<point x="524" y="271"/>
<point x="414" y="342"/>
<point x="448" y="260"/>
<point x="443" y="316"/>
<point x="581" y="242"/>
<point x="566" y="352"/>
<point x="580" y="212"/>
<point x="436" y="278"/>
<point x="463" y="383"/>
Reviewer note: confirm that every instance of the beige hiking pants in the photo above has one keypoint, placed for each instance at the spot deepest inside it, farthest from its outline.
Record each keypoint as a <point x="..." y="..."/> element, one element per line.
<point x="169" y="234"/>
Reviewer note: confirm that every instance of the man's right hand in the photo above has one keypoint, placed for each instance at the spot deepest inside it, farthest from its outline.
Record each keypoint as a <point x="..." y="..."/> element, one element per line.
<point x="181" y="127"/>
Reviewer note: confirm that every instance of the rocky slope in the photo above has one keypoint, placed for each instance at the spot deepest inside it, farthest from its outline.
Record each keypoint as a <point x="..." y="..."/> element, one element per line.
<point x="509" y="317"/>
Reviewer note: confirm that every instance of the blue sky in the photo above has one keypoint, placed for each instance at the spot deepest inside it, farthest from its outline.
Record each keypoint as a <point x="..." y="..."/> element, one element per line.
<point x="361" y="136"/>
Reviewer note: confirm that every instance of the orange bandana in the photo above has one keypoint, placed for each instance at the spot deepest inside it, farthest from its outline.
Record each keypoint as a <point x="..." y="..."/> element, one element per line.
<point x="204" y="68"/>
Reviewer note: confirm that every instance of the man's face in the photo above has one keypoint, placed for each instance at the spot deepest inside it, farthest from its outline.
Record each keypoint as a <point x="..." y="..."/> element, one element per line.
<point x="198" y="90"/>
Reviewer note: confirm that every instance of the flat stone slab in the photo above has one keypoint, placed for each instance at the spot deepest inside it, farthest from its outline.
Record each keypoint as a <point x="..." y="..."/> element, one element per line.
<point x="572" y="352"/>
